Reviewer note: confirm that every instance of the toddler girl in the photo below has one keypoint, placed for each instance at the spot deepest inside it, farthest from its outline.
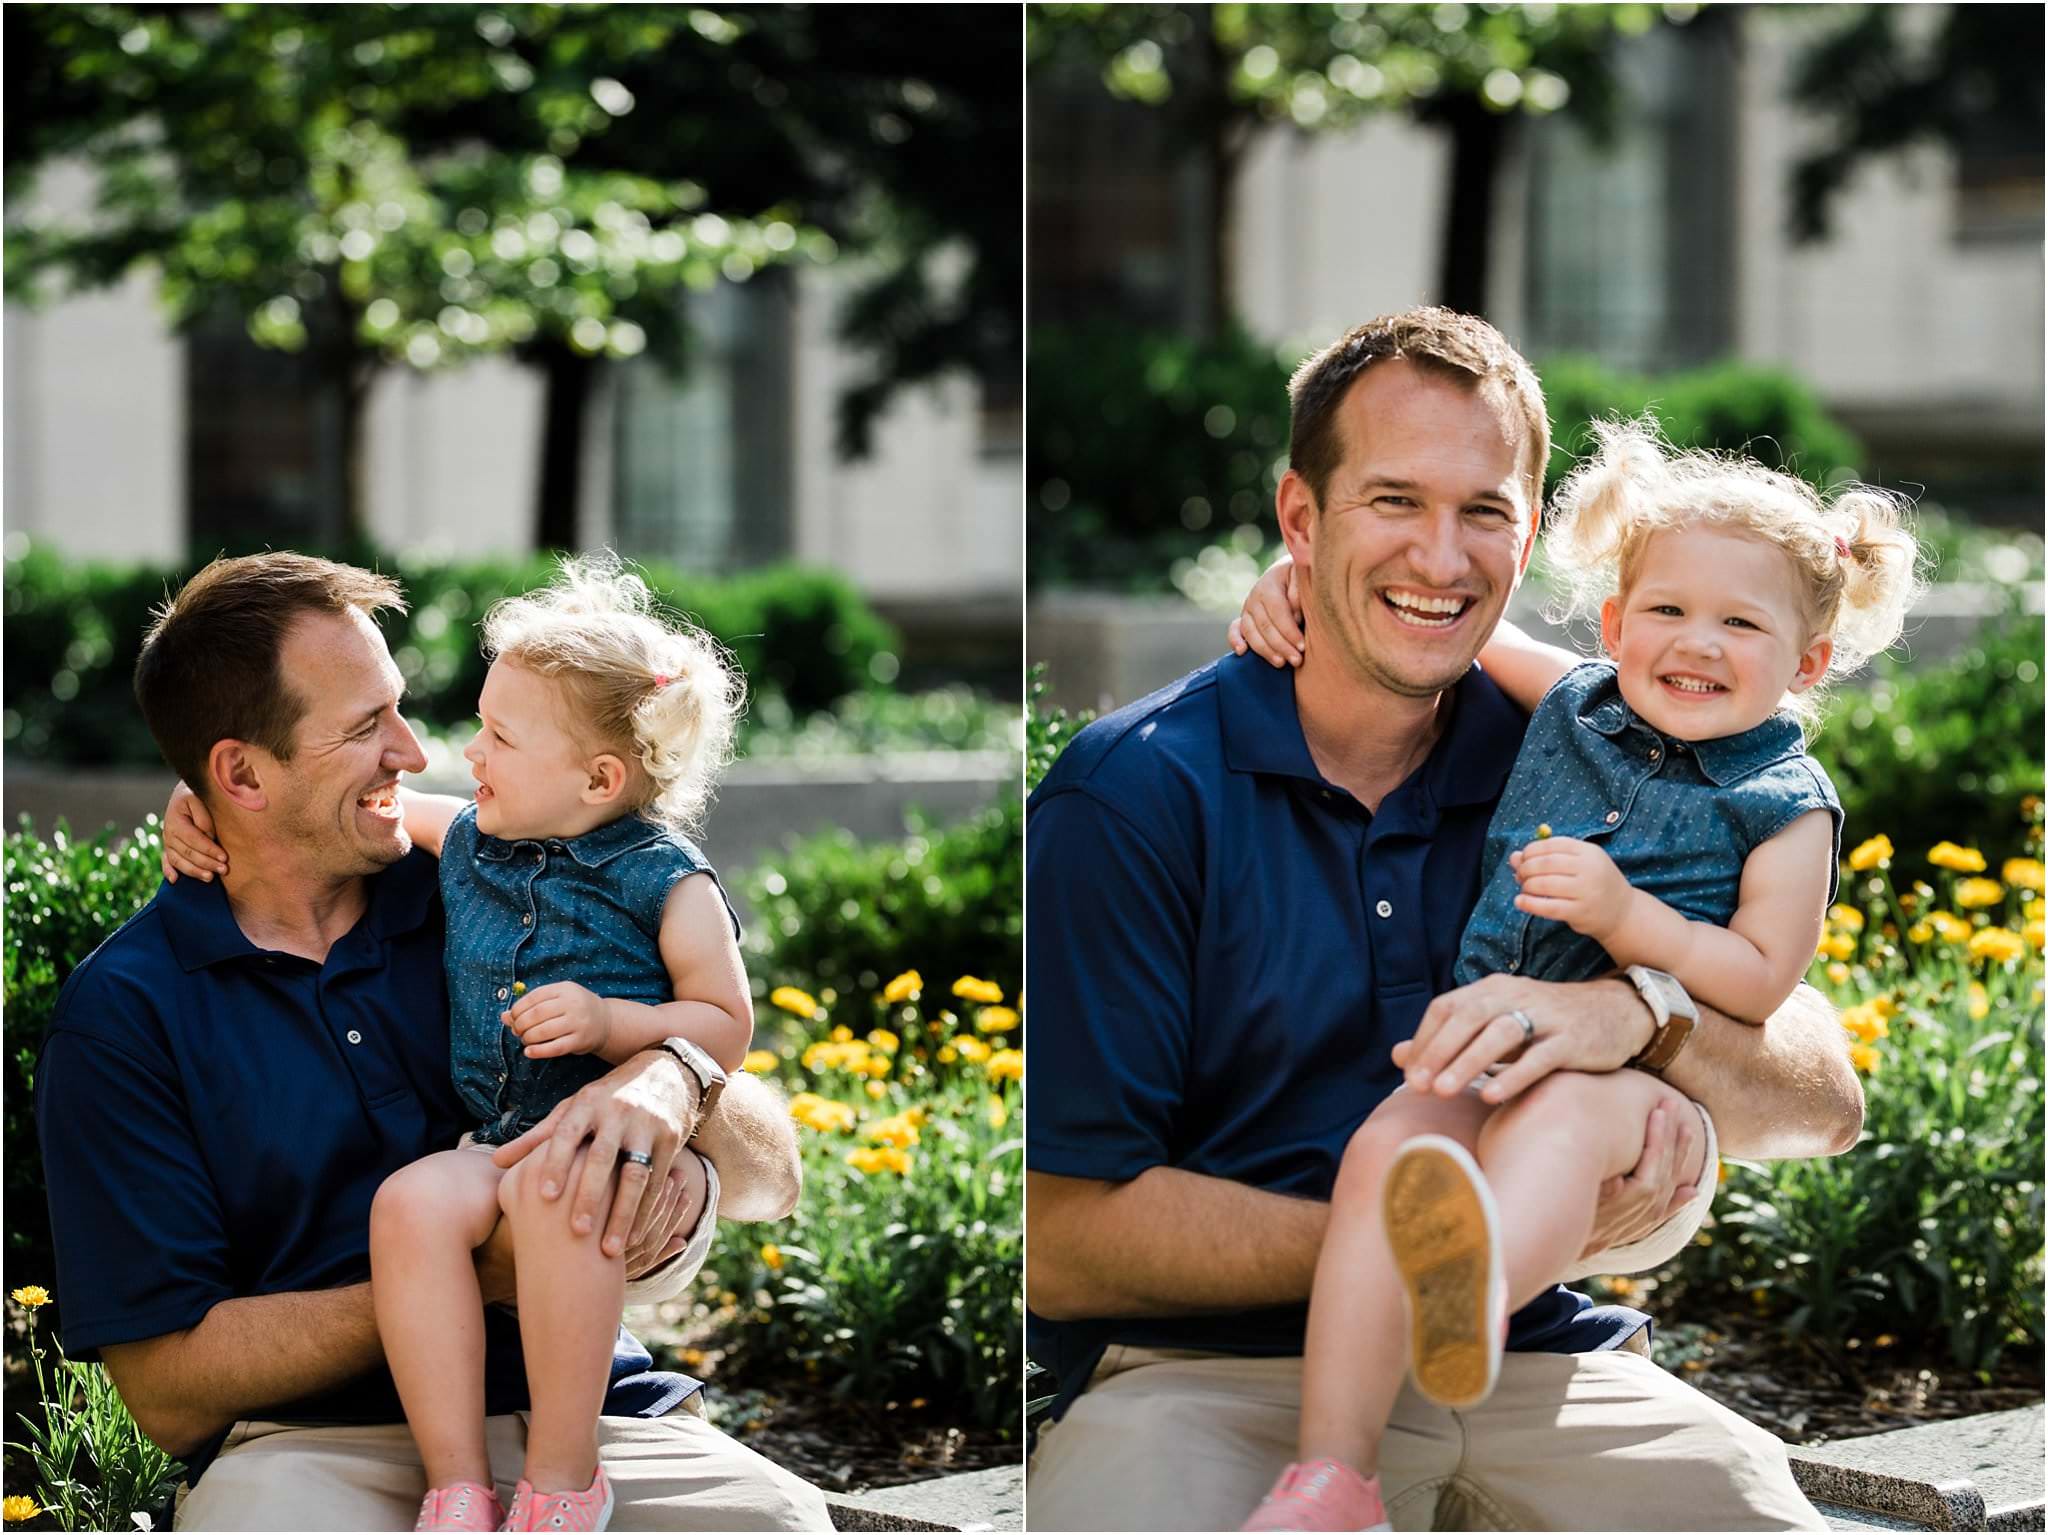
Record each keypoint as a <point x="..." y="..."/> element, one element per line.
<point x="579" y="933"/>
<point x="1662" y="814"/>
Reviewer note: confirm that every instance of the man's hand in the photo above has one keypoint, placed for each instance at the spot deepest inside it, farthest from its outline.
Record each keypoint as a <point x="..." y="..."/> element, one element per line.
<point x="649" y="1105"/>
<point x="560" y="1019"/>
<point x="189" y="847"/>
<point x="1636" y="1203"/>
<point x="1579" y="1026"/>
<point x="1572" y="882"/>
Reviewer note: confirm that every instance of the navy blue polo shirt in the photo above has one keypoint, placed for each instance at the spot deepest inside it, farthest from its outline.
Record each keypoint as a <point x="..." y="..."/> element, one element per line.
<point x="215" y="1119"/>
<point x="1225" y="949"/>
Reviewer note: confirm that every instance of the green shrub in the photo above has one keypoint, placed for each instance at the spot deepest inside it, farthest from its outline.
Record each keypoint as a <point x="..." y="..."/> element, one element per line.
<point x="841" y="916"/>
<point x="898" y="1275"/>
<point x="804" y="639"/>
<point x="64" y="898"/>
<point x="1942" y="752"/>
<point x="1931" y="1229"/>
<point x="1047" y="731"/>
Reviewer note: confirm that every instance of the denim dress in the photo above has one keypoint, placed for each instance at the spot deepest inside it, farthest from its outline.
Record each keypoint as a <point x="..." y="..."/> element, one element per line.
<point x="529" y="913"/>
<point x="1677" y="817"/>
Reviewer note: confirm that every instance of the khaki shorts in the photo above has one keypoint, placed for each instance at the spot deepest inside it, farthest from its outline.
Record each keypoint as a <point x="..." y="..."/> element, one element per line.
<point x="1176" y="1440"/>
<point x="671" y="1473"/>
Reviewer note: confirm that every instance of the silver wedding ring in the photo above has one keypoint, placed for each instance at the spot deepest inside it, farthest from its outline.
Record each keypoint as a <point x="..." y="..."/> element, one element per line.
<point x="641" y="1157"/>
<point x="1528" y="1025"/>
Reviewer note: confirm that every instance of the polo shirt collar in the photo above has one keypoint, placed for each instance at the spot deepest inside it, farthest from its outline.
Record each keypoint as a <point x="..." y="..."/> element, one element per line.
<point x="201" y="928"/>
<point x="1469" y="765"/>
<point x="599" y="845"/>
<point x="1723" y="759"/>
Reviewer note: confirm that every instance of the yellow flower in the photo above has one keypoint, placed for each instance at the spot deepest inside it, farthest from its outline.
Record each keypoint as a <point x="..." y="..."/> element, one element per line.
<point x="1885" y="1006"/>
<point x="896" y="1130"/>
<point x="816" y="1113"/>
<point x="760" y="1061"/>
<point x="1874" y="853"/>
<point x="692" y="1357"/>
<point x="1837" y="945"/>
<point x="1920" y="932"/>
<point x="2033" y="932"/>
<point x="2000" y="945"/>
<point x="837" y="1055"/>
<point x="996" y="1020"/>
<point x="15" y="1508"/>
<point x="969" y="1048"/>
<point x="877" y="1090"/>
<point x="1980" y="1001"/>
<point x="771" y="1255"/>
<point x="998" y="1111"/>
<point x="1838" y="973"/>
<point x="2026" y="873"/>
<point x="874" y="1066"/>
<point x="1866" y="1022"/>
<point x="791" y="1000"/>
<point x="2035" y="909"/>
<point x="1864" y="1058"/>
<point x="840" y="1035"/>
<point x="31" y="1296"/>
<point x="905" y="986"/>
<point x="1006" y="1066"/>
<point x="1964" y="860"/>
<point x="977" y="990"/>
<point x="948" y="1055"/>
<point x="1972" y="894"/>
<point x="1950" y="926"/>
<point x="878" y="1159"/>
<point x="884" y="1041"/>
<point x="1846" y="917"/>
<point x="915" y="1115"/>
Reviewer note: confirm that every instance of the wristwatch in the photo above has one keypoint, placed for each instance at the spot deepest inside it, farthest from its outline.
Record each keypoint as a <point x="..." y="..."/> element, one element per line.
<point x="697" y="1061"/>
<point x="1673" y="1012"/>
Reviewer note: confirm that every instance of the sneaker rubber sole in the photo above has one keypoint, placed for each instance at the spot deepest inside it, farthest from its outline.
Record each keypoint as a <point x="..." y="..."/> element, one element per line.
<point x="1444" y="1230"/>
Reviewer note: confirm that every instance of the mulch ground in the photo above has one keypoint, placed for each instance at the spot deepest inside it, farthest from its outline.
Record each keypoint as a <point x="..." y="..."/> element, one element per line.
<point x="844" y="1447"/>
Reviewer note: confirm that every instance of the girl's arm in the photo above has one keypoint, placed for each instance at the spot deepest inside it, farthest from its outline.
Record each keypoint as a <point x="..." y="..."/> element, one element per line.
<point x="1746" y="969"/>
<point x="1524" y="668"/>
<point x="712" y="1007"/>
<point x="427" y="816"/>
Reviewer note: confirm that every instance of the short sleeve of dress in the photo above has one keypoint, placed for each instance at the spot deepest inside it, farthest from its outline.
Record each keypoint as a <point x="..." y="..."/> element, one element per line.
<point x="1773" y="799"/>
<point x="657" y="868"/>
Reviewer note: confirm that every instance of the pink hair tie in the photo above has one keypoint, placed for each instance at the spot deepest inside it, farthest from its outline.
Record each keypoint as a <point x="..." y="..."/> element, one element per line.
<point x="1842" y="546"/>
<point x="661" y="679"/>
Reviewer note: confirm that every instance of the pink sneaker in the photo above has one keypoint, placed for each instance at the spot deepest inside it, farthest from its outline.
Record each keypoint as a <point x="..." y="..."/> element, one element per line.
<point x="461" y="1506"/>
<point x="1445" y="1234"/>
<point x="1321" y="1495"/>
<point x="590" y="1509"/>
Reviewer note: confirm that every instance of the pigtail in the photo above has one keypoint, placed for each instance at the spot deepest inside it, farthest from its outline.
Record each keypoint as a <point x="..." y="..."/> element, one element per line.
<point x="684" y="726"/>
<point x="1598" y="513"/>
<point x="1880" y="576"/>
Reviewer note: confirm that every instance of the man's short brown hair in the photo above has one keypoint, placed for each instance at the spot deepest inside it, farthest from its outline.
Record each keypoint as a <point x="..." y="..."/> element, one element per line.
<point x="1460" y="347"/>
<point x="210" y="664"/>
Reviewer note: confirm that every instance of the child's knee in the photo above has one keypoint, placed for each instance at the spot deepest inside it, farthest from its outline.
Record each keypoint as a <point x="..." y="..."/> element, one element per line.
<point x="1369" y="1153"/>
<point x="429" y="1199"/>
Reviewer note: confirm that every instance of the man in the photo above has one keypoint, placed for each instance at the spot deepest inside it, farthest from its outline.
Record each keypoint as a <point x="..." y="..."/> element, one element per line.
<point x="228" y="1078"/>
<point x="1245" y="892"/>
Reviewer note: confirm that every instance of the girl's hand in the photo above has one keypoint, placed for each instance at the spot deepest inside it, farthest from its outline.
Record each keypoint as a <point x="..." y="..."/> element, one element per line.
<point x="189" y="847"/>
<point x="561" y="1019"/>
<point x="1271" y="621"/>
<point x="1572" y="882"/>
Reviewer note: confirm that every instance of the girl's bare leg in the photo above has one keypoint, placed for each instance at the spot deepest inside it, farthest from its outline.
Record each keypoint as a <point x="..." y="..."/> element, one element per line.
<point x="1356" y="1356"/>
<point x="570" y="1297"/>
<point x="425" y="1224"/>
<point x="1546" y="1155"/>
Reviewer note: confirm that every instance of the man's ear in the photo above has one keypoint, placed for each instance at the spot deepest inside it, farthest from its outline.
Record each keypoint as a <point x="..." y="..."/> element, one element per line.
<point x="1295" y="504"/>
<point x="607" y="779"/>
<point x="1813" y="664"/>
<point x="235" y="773"/>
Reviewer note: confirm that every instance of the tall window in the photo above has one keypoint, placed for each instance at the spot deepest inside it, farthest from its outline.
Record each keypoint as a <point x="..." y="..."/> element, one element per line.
<point x="263" y="441"/>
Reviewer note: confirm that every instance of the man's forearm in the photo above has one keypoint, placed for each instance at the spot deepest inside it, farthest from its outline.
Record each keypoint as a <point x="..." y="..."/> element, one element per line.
<point x="1782" y="1088"/>
<point x="243" y="1356"/>
<point x="1151" y="1247"/>
<point x="750" y="1138"/>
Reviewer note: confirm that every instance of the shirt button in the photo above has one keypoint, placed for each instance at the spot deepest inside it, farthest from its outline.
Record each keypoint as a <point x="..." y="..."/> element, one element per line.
<point x="1385" y="908"/>
<point x="1613" y="816"/>
<point x="354" y="1038"/>
<point x="527" y="920"/>
<point x="1655" y="754"/>
<point x="502" y="994"/>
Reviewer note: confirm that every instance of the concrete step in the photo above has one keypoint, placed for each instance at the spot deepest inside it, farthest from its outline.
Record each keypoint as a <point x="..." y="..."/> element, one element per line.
<point x="1981" y="1473"/>
<point x="972" y="1500"/>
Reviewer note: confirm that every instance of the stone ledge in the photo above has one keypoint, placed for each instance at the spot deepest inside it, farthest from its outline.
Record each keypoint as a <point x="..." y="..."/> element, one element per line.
<point x="972" y="1500"/>
<point x="1981" y="1473"/>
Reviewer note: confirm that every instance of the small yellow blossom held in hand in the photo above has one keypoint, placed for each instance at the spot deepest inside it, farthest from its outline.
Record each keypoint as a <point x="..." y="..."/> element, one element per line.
<point x="1964" y="860"/>
<point x="974" y="989"/>
<point x="15" y="1508"/>
<point x="771" y="1255"/>
<point x="1864" y="1058"/>
<point x="519" y="988"/>
<point x="902" y="988"/>
<point x="2000" y="945"/>
<point x="758" y="1061"/>
<point x="792" y="999"/>
<point x="1873" y="853"/>
<point x="1838" y="973"/>
<point x="31" y="1296"/>
<point x="884" y="1041"/>
<point x="1006" y="1066"/>
<point x="996" y="1020"/>
<point x="2025" y="874"/>
<point x="1980" y="1002"/>
<point x="1543" y="832"/>
<point x="998" y="1111"/>
<point x="1973" y="894"/>
<point x="969" y="1048"/>
<point x="1847" y="918"/>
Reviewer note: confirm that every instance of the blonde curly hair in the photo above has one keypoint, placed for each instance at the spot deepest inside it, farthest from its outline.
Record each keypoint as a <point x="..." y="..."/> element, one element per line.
<point x="1852" y="547"/>
<point x="647" y="684"/>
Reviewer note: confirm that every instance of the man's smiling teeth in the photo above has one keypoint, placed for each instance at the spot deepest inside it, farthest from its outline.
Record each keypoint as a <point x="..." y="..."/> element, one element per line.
<point x="1692" y="685"/>
<point x="1427" y="612"/>
<point x="382" y="801"/>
